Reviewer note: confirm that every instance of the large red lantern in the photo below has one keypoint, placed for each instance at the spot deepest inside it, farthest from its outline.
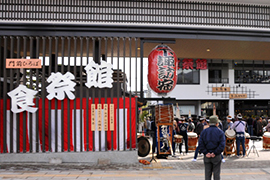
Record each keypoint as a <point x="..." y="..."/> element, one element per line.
<point x="162" y="69"/>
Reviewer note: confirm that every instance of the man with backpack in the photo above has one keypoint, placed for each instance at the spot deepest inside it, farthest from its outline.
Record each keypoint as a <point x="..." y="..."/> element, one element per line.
<point x="183" y="128"/>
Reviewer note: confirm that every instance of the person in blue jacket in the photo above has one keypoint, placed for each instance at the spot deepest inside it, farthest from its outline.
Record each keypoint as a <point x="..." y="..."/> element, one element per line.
<point x="212" y="144"/>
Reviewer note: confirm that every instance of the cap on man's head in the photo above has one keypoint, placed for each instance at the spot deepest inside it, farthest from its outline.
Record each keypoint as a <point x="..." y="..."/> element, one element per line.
<point x="202" y="118"/>
<point x="239" y="116"/>
<point x="176" y="118"/>
<point x="229" y="117"/>
<point x="213" y="119"/>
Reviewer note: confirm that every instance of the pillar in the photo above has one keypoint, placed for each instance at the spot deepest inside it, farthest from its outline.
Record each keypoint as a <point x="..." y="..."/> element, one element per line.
<point x="231" y="107"/>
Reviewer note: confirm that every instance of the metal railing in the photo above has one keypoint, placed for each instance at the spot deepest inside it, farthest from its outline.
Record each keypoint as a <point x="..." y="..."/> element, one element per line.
<point x="65" y="125"/>
<point x="158" y="12"/>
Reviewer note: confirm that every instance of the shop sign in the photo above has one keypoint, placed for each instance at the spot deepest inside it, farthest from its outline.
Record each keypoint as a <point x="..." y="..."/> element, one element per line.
<point x="238" y="96"/>
<point x="221" y="89"/>
<point x="61" y="84"/>
<point x="162" y="69"/>
<point x="188" y="64"/>
<point x="22" y="99"/>
<point x="23" y="63"/>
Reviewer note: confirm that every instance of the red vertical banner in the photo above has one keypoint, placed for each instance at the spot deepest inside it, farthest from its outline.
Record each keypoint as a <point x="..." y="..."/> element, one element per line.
<point x="116" y="138"/>
<point x="18" y="134"/>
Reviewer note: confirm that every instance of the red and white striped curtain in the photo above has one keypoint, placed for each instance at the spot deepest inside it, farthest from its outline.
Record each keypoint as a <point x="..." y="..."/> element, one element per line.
<point x="124" y="125"/>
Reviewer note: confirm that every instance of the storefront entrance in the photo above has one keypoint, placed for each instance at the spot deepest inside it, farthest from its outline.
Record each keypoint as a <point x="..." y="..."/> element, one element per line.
<point x="221" y="108"/>
<point x="253" y="108"/>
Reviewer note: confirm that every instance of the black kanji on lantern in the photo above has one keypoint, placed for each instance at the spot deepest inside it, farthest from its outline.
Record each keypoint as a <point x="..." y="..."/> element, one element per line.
<point x="166" y="84"/>
<point x="165" y="72"/>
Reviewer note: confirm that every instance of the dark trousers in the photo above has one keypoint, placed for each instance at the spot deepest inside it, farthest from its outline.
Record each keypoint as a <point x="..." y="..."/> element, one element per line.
<point x="240" y="140"/>
<point x="173" y="143"/>
<point x="250" y="130"/>
<point x="185" y="138"/>
<point x="196" y="153"/>
<point x="212" y="166"/>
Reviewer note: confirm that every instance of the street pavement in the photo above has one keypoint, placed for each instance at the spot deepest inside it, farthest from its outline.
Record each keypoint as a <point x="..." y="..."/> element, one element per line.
<point x="180" y="167"/>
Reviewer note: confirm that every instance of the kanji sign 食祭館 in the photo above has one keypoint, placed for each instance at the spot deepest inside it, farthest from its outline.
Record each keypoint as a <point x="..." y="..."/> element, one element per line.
<point x="61" y="84"/>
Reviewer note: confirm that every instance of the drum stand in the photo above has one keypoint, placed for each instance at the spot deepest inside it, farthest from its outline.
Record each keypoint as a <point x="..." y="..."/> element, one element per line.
<point x="229" y="144"/>
<point x="152" y="133"/>
<point x="254" y="148"/>
<point x="153" y="157"/>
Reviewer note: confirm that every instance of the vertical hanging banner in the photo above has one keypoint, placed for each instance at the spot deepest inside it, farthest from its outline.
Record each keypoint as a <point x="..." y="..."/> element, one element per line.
<point x="111" y="117"/>
<point x="105" y="116"/>
<point x="162" y="69"/>
<point x="93" y="116"/>
<point x="99" y="117"/>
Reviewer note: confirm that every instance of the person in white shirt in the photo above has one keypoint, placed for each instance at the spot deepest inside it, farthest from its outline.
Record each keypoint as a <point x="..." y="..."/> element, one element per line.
<point x="239" y="126"/>
<point x="229" y="120"/>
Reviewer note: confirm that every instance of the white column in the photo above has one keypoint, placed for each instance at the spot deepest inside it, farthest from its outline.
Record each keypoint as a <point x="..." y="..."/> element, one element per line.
<point x="199" y="108"/>
<point x="231" y="107"/>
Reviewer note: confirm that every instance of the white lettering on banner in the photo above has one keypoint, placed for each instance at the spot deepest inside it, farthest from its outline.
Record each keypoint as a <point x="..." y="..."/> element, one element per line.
<point x="99" y="75"/>
<point x="22" y="97"/>
<point x="60" y="84"/>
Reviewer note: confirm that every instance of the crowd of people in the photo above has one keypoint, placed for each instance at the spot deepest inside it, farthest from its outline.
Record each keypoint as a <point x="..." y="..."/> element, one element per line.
<point x="241" y="125"/>
<point x="253" y="126"/>
<point x="211" y="141"/>
<point x="212" y="137"/>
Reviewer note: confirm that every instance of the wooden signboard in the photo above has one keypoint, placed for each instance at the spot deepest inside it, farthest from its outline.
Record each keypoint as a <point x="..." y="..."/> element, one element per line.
<point x="105" y="117"/>
<point x="221" y="89"/>
<point x="93" y="117"/>
<point x="238" y="96"/>
<point x="99" y="117"/>
<point x="23" y="63"/>
<point x="111" y="117"/>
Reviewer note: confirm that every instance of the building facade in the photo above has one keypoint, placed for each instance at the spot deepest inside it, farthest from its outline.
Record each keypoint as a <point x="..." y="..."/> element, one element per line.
<point x="232" y="37"/>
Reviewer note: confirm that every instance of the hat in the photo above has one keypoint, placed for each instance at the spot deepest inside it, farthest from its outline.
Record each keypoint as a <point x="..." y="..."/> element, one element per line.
<point x="213" y="119"/>
<point x="176" y="118"/>
<point x="229" y="117"/>
<point x="202" y="118"/>
<point x="239" y="116"/>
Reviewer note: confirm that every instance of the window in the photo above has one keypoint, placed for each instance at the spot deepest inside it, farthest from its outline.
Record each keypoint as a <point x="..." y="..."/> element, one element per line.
<point x="252" y="72"/>
<point x="188" y="76"/>
<point x="214" y="76"/>
<point x="218" y="72"/>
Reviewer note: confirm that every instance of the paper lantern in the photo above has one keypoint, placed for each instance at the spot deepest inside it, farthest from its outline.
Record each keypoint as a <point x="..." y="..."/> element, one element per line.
<point x="162" y="69"/>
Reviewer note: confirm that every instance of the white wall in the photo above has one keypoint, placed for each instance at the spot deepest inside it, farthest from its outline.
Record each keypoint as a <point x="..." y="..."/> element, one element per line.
<point x="199" y="92"/>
